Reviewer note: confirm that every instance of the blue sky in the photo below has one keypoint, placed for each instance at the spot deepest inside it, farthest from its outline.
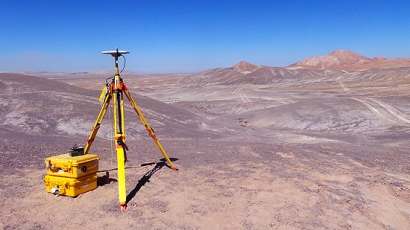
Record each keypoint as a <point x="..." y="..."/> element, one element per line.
<point x="191" y="36"/>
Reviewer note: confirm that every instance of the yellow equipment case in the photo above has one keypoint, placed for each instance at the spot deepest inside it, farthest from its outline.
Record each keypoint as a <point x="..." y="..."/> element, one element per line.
<point x="73" y="167"/>
<point x="70" y="186"/>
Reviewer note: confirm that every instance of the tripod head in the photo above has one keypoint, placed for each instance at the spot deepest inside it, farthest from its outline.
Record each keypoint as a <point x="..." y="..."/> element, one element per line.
<point x="116" y="53"/>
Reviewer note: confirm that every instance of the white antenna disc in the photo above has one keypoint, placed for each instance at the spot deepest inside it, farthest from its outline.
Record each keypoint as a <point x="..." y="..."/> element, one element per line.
<point x="115" y="53"/>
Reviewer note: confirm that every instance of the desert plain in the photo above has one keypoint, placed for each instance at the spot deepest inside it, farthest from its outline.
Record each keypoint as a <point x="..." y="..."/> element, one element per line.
<point x="308" y="146"/>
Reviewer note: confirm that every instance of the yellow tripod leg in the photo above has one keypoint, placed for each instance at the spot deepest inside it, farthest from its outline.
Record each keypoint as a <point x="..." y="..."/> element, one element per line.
<point x="98" y="122"/>
<point x="148" y="128"/>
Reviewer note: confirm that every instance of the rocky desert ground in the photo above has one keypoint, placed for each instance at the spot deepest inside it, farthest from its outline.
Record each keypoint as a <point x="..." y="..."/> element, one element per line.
<point x="257" y="147"/>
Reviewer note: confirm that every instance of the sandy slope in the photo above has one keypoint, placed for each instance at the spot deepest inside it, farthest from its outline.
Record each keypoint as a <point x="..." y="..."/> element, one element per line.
<point x="222" y="185"/>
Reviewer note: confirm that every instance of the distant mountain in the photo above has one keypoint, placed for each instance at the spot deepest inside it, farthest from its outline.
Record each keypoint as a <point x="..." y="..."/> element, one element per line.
<point x="348" y="60"/>
<point x="335" y="59"/>
<point x="246" y="73"/>
<point x="245" y="67"/>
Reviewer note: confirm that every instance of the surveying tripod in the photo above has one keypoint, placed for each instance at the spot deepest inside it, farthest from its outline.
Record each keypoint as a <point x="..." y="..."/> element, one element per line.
<point x="115" y="91"/>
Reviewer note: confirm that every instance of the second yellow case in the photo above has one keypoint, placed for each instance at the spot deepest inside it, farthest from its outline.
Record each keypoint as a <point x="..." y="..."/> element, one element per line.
<point x="70" y="186"/>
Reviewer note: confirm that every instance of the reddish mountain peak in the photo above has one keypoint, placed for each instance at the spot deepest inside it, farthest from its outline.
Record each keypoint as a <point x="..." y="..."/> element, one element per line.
<point x="349" y="57"/>
<point x="245" y="67"/>
<point x="334" y="59"/>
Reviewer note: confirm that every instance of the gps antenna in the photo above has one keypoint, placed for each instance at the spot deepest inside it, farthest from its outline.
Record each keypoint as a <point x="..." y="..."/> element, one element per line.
<point x="116" y="53"/>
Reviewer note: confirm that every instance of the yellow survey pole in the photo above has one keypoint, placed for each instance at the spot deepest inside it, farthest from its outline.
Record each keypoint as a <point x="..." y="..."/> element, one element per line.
<point x="119" y="129"/>
<point x="122" y="190"/>
<point x="119" y="136"/>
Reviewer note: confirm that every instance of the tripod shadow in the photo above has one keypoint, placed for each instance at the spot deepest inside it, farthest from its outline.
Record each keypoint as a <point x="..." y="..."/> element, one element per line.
<point x="147" y="176"/>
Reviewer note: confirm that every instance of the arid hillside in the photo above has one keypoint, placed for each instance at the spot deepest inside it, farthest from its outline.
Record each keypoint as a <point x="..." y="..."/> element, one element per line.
<point x="257" y="147"/>
<point x="39" y="106"/>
